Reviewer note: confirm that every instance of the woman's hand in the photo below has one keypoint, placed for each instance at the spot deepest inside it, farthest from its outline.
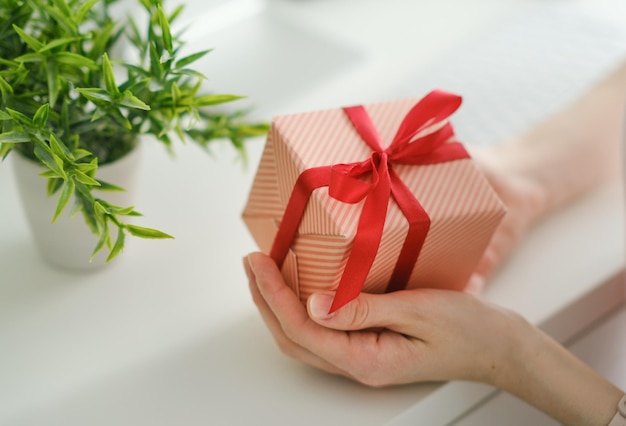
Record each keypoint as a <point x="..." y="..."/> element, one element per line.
<point x="379" y="340"/>
<point x="525" y="201"/>
<point x="412" y="335"/>
<point x="430" y="335"/>
<point x="425" y="335"/>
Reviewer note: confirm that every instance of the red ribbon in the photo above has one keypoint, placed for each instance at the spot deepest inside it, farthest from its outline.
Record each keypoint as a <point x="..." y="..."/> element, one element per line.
<point x="346" y="183"/>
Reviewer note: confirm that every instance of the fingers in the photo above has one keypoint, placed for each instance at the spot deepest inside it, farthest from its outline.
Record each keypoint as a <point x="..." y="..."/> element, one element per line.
<point x="398" y="311"/>
<point x="279" y="298"/>
<point x="350" y="354"/>
<point x="379" y="339"/>
<point x="286" y="345"/>
<point x="376" y="340"/>
<point x="476" y="284"/>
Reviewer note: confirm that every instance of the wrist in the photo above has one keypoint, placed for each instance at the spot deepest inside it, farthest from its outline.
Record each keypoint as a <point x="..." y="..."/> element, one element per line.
<point x="543" y="373"/>
<point x="512" y="359"/>
<point x="508" y="165"/>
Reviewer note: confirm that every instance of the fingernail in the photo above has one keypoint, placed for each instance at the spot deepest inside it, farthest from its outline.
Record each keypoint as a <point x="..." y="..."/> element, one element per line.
<point x="476" y="285"/>
<point x="248" y="267"/>
<point x="319" y="305"/>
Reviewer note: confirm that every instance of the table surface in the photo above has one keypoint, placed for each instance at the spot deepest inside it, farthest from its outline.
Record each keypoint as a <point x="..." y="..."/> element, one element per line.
<point x="168" y="333"/>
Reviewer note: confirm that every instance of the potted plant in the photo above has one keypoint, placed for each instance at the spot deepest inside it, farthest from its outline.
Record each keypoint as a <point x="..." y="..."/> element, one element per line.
<point x="79" y="88"/>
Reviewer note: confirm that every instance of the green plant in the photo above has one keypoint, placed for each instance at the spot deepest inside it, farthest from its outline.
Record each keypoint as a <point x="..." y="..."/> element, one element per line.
<point x="73" y="99"/>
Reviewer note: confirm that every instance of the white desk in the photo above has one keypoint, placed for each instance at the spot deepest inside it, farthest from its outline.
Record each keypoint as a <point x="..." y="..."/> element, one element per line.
<point x="169" y="335"/>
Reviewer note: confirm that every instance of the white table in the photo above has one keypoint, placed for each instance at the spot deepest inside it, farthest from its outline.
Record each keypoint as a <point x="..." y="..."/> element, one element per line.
<point x="169" y="335"/>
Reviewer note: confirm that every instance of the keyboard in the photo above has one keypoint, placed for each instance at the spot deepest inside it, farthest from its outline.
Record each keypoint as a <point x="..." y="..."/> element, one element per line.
<point x="520" y="69"/>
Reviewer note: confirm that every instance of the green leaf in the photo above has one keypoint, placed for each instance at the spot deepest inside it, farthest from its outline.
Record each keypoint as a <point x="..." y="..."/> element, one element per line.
<point x="119" y="245"/>
<point x="8" y="62"/>
<point x="64" y="123"/>
<point x="14" y="137"/>
<point x="54" y="185"/>
<point x="123" y="211"/>
<point x="140" y="71"/>
<point x="47" y="157"/>
<point x="5" y="148"/>
<point x="109" y="77"/>
<point x="98" y="114"/>
<point x="63" y="7"/>
<point x="96" y="95"/>
<point x="85" y="179"/>
<point x="41" y="116"/>
<point x="146" y="4"/>
<point x="166" y="33"/>
<point x="74" y="59"/>
<point x="76" y="208"/>
<point x="32" y="42"/>
<point x="87" y="168"/>
<point x="140" y="231"/>
<point x="82" y="153"/>
<point x="61" y="18"/>
<point x="64" y="198"/>
<point x="135" y="36"/>
<point x="53" y="80"/>
<point x="180" y="133"/>
<point x="86" y="200"/>
<point x="19" y="118"/>
<point x="105" y="186"/>
<point x="253" y="130"/>
<point x="99" y="209"/>
<point x="155" y="63"/>
<point x="101" y="40"/>
<point x="83" y="10"/>
<point x="131" y="101"/>
<point x="49" y="174"/>
<point x="182" y="62"/>
<point x="176" y="12"/>
<point x="176" y="93"/>
<point x="59" y="149"/>
<point x="57" y="43"/>
<point x="22" y="73"/>
<point x="105" y="237"/>
<point x="208" y="100"/>
<point x="121" y="120"/>
<point x="190" y="73"/>
<point x="30" y="57"/>
<point x="6" y="90"/>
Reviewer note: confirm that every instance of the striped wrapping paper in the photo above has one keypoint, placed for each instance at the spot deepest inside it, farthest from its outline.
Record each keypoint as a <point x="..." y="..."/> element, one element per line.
<point x="463" y="208"/>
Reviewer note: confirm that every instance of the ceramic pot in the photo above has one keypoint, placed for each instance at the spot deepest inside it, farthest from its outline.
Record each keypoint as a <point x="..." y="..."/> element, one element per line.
<point x="68" y="242"/>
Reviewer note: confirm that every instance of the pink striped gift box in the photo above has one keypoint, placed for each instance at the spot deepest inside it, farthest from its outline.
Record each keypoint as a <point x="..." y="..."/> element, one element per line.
<point x="463" y="208"/>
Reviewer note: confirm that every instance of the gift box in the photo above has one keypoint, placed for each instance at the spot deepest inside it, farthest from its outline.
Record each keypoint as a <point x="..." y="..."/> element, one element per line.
<point x="373" y="198"/>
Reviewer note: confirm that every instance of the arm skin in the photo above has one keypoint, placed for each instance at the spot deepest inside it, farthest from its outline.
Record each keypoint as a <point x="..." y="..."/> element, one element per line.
<point x="424" y="334"/>
<point x="561" y="159"/>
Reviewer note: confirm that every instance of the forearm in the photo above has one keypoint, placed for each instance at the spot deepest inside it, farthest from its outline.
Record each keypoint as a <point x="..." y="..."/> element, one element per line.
<point x="574" y="150"/>
<point x="547" y="376"/>
<point x="562" y="158"/>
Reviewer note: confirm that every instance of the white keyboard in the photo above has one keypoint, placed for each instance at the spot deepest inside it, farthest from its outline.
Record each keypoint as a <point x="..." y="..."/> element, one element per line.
<point x="521" y="68"/>
<point x="260" y="54"/>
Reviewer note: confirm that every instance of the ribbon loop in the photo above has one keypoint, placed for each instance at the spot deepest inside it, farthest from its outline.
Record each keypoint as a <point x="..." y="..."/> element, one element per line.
<point x="365" y="128"/>
<point x="348" y="183"/>
<point x="433" y="108"/>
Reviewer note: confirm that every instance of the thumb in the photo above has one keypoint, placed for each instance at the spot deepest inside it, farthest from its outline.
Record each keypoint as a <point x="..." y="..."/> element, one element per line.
<point x="366" y="311"/>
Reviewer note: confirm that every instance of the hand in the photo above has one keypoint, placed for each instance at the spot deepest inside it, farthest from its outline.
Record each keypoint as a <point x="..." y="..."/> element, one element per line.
<point x="430" y="335"/>
<point x="525" y="202"/>
<point x="379" y="340"/>
<point x="423" y="325"/>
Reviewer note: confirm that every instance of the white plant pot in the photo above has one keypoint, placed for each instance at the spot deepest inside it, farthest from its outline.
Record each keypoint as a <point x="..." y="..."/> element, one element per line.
<point x="68" y="242"/>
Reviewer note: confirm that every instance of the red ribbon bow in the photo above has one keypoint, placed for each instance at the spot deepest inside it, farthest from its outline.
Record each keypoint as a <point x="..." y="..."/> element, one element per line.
<point x="346" y="183"/>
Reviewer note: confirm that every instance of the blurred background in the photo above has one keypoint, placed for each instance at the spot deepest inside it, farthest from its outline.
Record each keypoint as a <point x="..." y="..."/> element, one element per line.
<point x="169" y="334"/>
